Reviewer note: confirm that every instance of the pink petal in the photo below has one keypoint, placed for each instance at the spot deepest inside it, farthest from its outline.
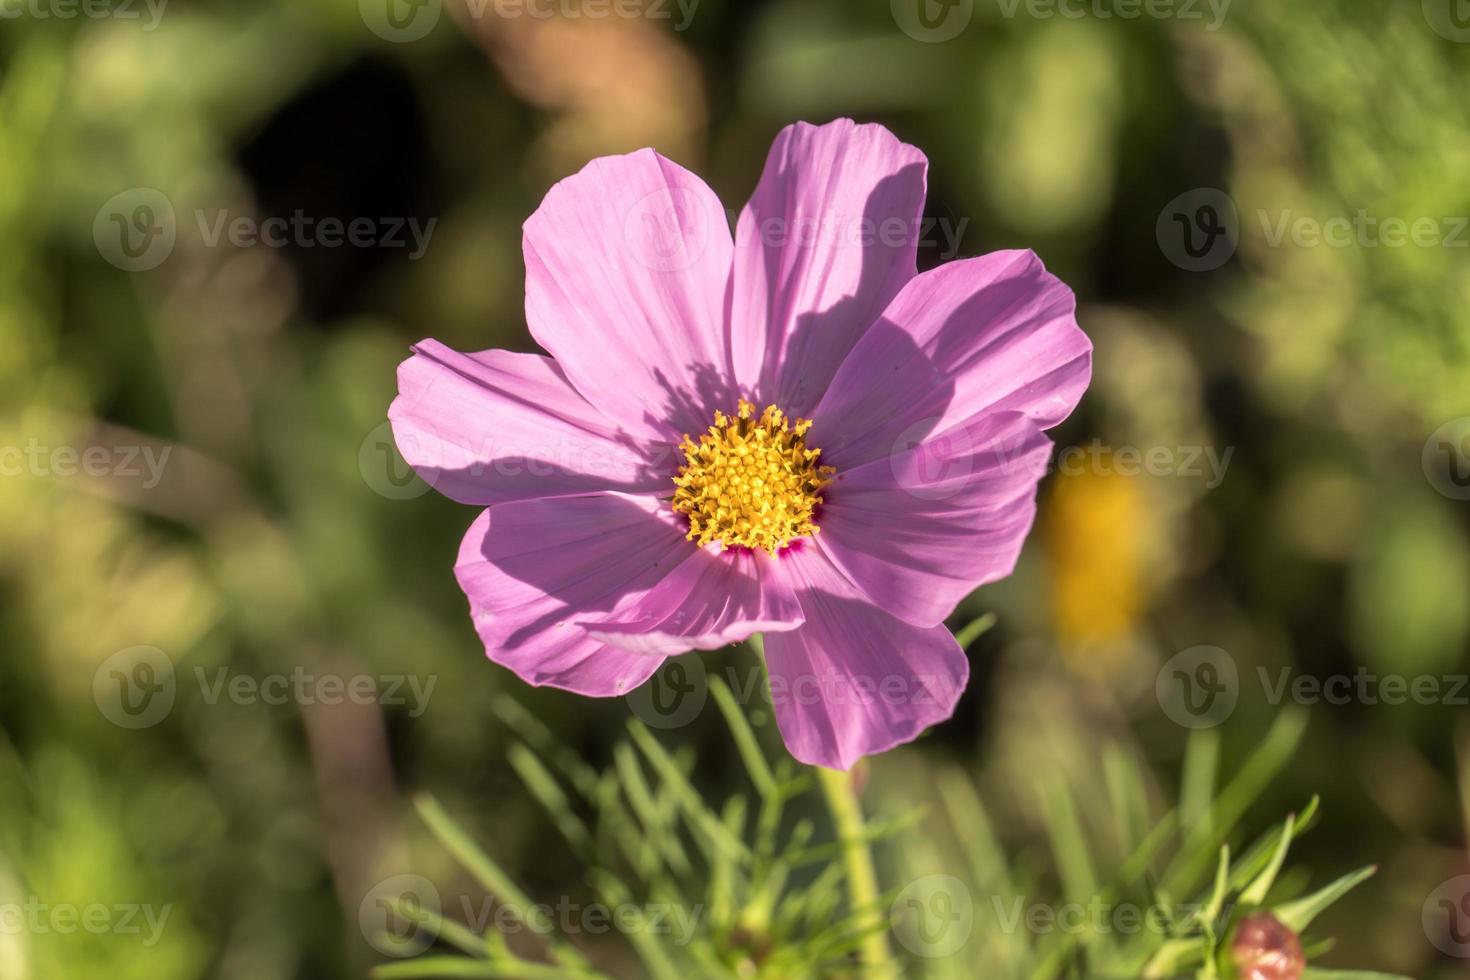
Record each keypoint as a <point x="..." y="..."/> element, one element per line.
<point x="627" y="264"/>
<point x="992" y="334"/>
<point x="924" y="528"/>
<point x="853" y="680"/>
<point x="827" y="240"/>
<point x="496" y="426"/>
<point x="713" y="599"/>
<point x="533" y="568"/>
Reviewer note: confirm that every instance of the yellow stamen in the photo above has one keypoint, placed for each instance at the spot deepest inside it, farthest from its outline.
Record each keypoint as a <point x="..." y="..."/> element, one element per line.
<point x="751" y="482"/>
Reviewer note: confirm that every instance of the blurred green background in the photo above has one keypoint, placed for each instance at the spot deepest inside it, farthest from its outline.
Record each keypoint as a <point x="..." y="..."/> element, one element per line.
<point x="280" y="532"/>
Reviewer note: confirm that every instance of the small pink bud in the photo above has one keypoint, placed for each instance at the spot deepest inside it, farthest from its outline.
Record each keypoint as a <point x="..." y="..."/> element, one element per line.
<point x="1264" y="949"/>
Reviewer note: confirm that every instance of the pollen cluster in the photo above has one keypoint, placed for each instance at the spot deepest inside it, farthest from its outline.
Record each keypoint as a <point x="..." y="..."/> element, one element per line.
<point x="751" y="481"/>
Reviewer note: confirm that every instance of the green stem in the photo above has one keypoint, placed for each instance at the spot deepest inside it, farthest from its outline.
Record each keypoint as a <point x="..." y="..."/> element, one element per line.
<point x="857" y="860"/>
<point x="862" y="879"/>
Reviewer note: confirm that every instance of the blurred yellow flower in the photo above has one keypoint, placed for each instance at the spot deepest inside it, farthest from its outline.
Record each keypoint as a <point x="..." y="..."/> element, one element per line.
<point x="1096" y="534"/>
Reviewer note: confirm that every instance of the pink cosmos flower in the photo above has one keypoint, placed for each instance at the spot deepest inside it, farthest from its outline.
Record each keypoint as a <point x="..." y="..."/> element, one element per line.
<point x="790" y="431"/>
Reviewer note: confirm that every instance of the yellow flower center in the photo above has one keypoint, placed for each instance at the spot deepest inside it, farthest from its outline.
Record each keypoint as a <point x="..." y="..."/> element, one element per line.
<point x="751" y="481"/>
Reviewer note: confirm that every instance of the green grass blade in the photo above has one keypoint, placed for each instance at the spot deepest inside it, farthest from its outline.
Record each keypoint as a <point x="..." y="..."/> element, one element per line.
<point x="1298" y="914"/>
<point x="745" y="739"/>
